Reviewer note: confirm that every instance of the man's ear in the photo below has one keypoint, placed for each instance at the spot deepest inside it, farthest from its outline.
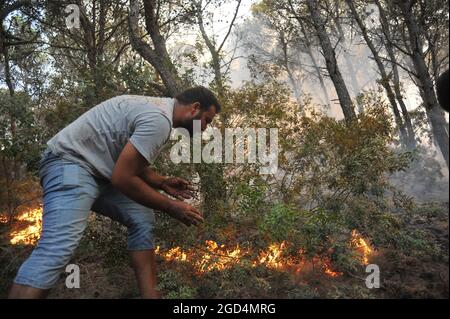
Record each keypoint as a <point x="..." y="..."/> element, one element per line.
<point x="195" y="108"/>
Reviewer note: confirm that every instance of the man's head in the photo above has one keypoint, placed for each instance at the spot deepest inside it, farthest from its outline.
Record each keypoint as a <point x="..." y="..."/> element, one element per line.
<point x="442" y="90"/>
<point x="197" y="103"/>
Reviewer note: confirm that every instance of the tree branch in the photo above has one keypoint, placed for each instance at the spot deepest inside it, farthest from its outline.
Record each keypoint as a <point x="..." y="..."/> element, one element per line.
<point x="231" y="26"/>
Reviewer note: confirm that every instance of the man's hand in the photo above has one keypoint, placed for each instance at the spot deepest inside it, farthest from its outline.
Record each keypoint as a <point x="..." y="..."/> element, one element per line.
<point x="179" y="188"/>
<point x="185" y="213"/>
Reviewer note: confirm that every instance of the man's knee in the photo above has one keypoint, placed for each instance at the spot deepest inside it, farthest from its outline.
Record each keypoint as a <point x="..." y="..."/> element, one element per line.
<point x="140" y="235"/>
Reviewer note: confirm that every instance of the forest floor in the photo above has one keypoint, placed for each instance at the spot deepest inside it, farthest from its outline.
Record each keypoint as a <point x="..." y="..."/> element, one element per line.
<point x="106" y="272"/>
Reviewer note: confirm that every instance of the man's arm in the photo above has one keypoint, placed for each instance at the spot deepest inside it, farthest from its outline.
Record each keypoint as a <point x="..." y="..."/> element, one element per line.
<point x="127" y="179"/>
<point x="152" y="178"/>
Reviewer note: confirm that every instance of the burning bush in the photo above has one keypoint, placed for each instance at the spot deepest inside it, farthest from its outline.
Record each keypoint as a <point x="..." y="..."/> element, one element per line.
<point x="330" y="205"/>
<point x="323" y="215"/>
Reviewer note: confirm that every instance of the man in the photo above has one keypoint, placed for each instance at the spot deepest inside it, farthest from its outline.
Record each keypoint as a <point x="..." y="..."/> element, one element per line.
<point x="442" y="90"/>
<point x="100" y="162"/>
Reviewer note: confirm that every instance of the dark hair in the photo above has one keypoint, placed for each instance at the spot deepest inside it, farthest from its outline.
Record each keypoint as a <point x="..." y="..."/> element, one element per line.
<point x="442" y="90"/>
<point x="200" y="94"/>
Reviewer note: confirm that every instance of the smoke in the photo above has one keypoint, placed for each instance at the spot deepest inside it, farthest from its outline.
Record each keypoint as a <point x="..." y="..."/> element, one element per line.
<point x="426" y="179"/>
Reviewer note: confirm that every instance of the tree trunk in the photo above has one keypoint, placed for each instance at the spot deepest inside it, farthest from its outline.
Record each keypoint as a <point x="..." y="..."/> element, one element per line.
<point x="396" y="76"/>
<point x="385" y="82"/>
<point x="9" y="172"/>
<point x="157" y="56"/>
<point x="315" y="64"/>
<point x="331" y="62"/>
<point x="284" y="47"/>
<point x="213" y="184"/>
<point x="218" y="77"/>
<point x="349" y="64"/>
<point x="434" y="112"/>
<point x="439" y="126"/>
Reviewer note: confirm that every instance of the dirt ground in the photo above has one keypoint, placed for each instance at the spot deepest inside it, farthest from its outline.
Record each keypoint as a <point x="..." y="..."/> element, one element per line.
<point x="108" y="274"/>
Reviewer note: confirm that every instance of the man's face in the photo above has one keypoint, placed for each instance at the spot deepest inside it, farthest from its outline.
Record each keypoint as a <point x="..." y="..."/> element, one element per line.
<point x="193" y="113"/>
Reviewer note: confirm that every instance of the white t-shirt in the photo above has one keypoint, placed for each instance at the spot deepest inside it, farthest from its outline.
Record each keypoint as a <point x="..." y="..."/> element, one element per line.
<point x="96" y="139"/>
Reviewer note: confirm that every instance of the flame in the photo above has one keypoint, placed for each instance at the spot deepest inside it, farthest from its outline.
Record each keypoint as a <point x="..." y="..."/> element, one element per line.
<point x="30" y="234"/>
<point x="217" y="257"/>
<point x="328" y="270"/>
<point x="174" y="254"/>
<point x="208" y="258"/>
<point x="212" y="257"/>
<point x="272" y="257"/>
<point x="3" y="219"/>
<point x="361" y="246"/>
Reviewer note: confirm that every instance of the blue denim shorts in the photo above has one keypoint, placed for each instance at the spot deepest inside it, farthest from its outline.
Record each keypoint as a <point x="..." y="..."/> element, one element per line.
<point x="70" y="193"/>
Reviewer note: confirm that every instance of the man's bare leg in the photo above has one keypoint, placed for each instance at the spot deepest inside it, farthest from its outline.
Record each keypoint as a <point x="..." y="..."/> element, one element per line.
<point x="25" y="292"/>
<point x="144" y="264"/>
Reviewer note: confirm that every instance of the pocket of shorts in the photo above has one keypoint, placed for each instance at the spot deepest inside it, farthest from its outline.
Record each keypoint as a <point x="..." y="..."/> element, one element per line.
<point x="71" y="175"/>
